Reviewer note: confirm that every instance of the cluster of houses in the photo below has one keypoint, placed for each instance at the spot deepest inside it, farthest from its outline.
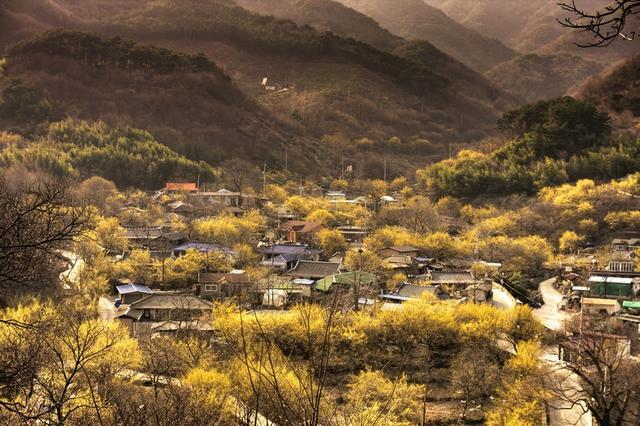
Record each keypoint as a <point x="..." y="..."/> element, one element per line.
<point x="612" y="291"/>
<point x="297" y="269"/>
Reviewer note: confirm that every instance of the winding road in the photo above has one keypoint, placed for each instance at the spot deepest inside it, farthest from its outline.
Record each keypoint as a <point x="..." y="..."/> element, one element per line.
<point x="549" y="314"/>
<point x="560" y="414"/>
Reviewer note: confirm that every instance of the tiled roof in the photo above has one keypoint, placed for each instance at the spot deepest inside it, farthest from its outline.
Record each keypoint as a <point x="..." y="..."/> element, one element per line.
<point x="317" y="270"/>
<point x="302" y="226"/>
<point x="210" y="277"/>
<point x="171" y="301"/>
<point x="174" y="236"/>
<point x="452" y="277"/>
<point x="231" y="277"/>
<point x="416" y="291"/>
<point x="404" y="249"/>
<point x="129" y="313"/>
<point x="144" y="232"/>
<point x="295" y="249"/>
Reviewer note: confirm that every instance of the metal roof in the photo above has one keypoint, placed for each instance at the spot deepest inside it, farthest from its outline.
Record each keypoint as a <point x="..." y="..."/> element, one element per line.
<point x="130" y="313"/>
<point x="453" y="277"/>
<point x="612" y="280"/>
<point x="133" y="288"/>
<point x="633" y="304"/>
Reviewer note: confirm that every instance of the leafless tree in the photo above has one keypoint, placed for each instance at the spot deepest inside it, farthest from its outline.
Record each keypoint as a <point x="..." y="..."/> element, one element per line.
<point x="599" y="375"/>
<point x="36" y="221"/>
<point x="475" y="374"/>
<point x="605" y="25"/>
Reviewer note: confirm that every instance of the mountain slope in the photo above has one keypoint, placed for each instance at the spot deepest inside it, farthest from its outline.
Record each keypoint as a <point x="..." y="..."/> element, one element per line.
<point x="186" y="102"/>
<point x="414" y="19"/>
<point x="517" y="23"/>
<point x="335" y="86"/>
<point x="552" y="64"/>
<point x="344" y="21"/>
<point x="617" y="91"/>
<point x="531" y="26"/>
<point x="327" y="15"/>
<point x="535" y="77"/>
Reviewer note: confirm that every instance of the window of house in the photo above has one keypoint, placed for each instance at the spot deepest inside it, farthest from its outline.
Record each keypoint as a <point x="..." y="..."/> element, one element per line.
<point x="211" y="287"/>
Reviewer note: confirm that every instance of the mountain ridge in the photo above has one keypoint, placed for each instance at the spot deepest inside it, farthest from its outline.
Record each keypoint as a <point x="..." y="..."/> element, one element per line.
<point x="394" y="96"/>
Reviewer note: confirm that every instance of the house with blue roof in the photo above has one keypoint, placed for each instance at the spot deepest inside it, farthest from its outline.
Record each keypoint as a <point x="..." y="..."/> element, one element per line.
<point x="284" y="257"/>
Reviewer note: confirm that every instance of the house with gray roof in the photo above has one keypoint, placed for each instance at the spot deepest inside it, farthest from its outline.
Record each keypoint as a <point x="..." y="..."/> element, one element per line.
<point x="314" y="270"/>
<point x="407" y="291"/>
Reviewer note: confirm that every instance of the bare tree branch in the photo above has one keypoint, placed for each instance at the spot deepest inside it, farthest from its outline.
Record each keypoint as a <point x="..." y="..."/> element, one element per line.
<point x="605" y="25"/>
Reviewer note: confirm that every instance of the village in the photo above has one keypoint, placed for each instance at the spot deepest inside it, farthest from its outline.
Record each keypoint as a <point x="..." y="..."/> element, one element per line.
<point x="292" y="262"/>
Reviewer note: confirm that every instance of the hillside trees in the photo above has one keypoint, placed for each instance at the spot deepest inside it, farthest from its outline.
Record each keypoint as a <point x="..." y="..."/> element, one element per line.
<point x="521" y="393"/>
<point x="331" y="241"/>
<point x="524" y="254"/>
<point x="554" y="142"/>
<point x="56" y="361"/>
<point x="240" y="175"/>
<point x="557" y="125"/>
<point x="115" y="52"/>
<point x="569" y="241"/>
<point x="101" y="193"/>
<point x="128" y="157"/>
<point x="229" y="230"/>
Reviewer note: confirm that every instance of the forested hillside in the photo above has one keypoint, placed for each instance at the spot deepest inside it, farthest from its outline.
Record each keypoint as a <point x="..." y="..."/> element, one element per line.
<point x="617" y="90"/>
<point x="552" y="142"/>
<point x="129" y="157"/>
<point x="327" y="15"/>
<point x="328" y="88"/>
<point x="291" y="212"/>
<point x="533" y="77"/>
<point x="185" y="101"/>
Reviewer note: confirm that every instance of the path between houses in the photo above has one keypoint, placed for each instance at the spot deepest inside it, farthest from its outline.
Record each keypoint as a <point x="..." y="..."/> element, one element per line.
<point x="550" y="315"/>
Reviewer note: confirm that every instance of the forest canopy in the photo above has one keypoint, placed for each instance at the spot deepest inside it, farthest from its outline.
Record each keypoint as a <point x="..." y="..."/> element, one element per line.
<point x="130" y="157"/>
<point x="553" y="142"/>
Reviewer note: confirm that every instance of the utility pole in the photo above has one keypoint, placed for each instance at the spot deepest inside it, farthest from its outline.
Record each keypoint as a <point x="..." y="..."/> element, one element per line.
<point x="264" y="178"/>
<point x="342" y="167"/>
<point x="286" y="160"/>
<point x="385" y="169"/>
